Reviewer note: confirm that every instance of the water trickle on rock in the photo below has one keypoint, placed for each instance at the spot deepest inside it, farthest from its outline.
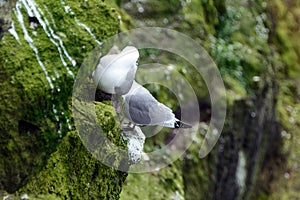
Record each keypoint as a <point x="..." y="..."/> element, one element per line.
<point x="30" y="41"/>
<point x="41" y="16"/>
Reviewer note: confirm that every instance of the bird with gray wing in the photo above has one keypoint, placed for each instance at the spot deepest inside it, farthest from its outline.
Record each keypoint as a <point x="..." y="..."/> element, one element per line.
<point x="115" y="74"/>
<point x="141" y="108"/>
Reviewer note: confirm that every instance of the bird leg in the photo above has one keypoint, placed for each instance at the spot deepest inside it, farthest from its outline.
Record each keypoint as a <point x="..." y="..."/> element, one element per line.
<point x="118" y="105"/>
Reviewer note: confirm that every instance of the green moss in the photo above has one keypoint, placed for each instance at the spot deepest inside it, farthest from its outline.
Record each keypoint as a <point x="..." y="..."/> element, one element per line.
<point x="197" y="174"/>
<point x="240" y="46"/>
<point x="167" y="183"/>
<point x="235" y="90"/>
<point x="199" y="19"/>
<point x="72" y="173"/>
<point x="285" y="33"/>
<point x="155" y="7"/>
<point x="37" y="116"/>
<point x="288" y="113"/>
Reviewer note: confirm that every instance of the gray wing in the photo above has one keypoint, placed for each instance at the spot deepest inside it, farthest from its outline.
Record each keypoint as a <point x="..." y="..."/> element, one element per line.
<point x="137" y="109"/>
<point x="143" y="109"/>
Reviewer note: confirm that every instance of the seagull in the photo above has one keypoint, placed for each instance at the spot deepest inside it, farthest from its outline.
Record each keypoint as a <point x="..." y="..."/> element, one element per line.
<point x="115" y="74"/>
<point x="141" y="108"/>
<point x="116" y="70"/>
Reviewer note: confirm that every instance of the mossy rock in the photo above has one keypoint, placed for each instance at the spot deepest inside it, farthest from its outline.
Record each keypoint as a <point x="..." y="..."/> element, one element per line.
<point x="166" y="183"/>
<point x="73" y="173"/>
<point x="37" y="74"/>
<point x="99" y="131"/>
<point x="197" y="175"/>
<point x="285" y="32"/>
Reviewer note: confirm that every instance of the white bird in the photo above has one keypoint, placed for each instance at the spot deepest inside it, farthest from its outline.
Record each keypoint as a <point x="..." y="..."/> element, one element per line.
<point x="115" y="74"/>
<point x="116" y="71"/>
<point x="141" y="108"/>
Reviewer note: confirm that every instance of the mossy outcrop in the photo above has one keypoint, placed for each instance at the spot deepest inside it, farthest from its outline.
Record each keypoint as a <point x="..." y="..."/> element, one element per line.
<point x="284" y="23"/>
<point x="167" y="183"/>
<point x="39" y="59"/>
<point x="252" y="42"/>
<point x="73" y="173"/>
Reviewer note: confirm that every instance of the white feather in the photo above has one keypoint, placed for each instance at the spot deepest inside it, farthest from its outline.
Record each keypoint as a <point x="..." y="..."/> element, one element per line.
<point x="113" y="69"/>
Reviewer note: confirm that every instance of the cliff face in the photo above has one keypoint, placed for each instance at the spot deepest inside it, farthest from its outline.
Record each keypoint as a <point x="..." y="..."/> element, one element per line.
<point x="255" y="45"/>
<point x="251" y="42"/>
<point x="40" y="55"/>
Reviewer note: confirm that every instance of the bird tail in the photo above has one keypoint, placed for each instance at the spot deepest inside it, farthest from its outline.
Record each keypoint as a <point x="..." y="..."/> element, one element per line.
<point x="180" y="124"/>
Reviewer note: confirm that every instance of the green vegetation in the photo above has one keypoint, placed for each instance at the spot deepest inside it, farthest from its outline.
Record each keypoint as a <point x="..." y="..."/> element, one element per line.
<point x="72" y="173"/>
<point x="167" y="183"/>
<point x="36" y="82"/>
<point x="254" y="44"/>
